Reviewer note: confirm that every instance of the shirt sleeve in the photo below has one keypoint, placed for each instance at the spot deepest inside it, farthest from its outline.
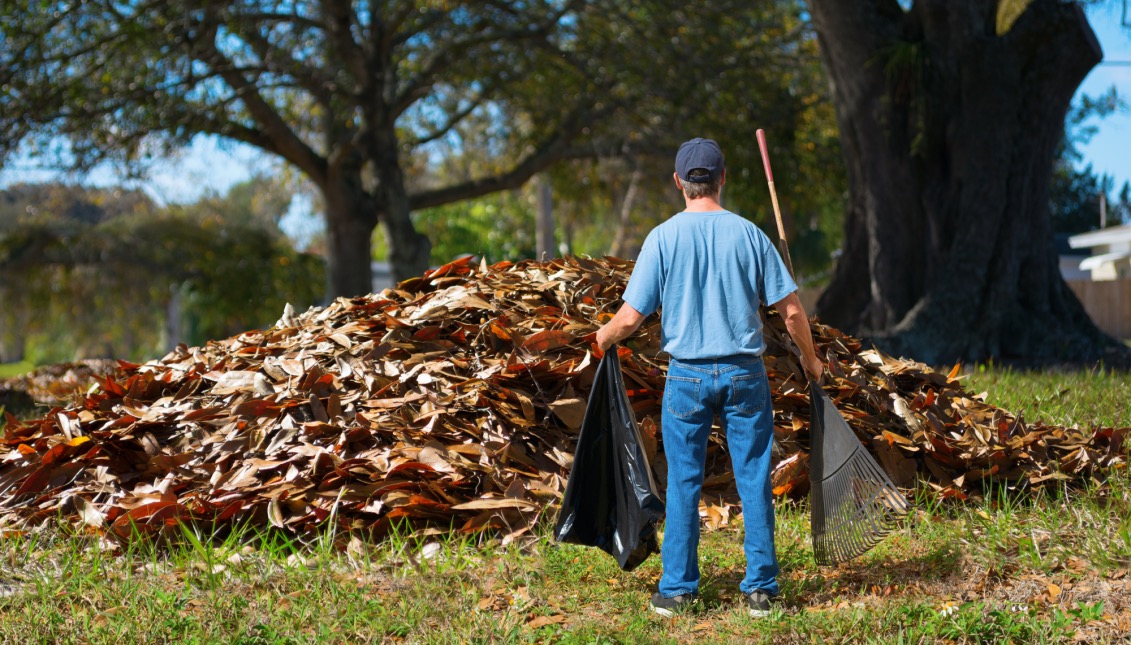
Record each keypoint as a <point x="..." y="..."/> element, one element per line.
<point x="776" y="281"/>
<point x="644" y="285"/>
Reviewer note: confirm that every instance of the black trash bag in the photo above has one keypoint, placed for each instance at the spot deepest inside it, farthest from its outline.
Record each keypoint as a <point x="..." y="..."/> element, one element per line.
<point x="611" y="501"/>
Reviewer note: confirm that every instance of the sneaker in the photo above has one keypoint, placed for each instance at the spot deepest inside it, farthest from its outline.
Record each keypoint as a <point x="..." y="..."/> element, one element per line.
<point x="759" y="603"/>
<point x="669" y="606"/>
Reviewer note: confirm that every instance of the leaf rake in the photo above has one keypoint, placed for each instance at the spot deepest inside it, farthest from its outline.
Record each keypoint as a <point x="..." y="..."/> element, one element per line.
<point x="854" y="504"/>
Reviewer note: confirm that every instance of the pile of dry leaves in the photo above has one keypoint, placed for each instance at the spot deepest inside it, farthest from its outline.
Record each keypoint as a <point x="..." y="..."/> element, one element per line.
<point x="59" y="383"/>
<point x="454" y="400"/>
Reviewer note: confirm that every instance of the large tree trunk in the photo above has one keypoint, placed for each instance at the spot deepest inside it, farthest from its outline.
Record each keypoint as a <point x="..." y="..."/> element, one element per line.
<point x="353" y="211"/>
<point x="350" y="220"/>
<point x="949" y="131"/>
<point x="409" y="251"/>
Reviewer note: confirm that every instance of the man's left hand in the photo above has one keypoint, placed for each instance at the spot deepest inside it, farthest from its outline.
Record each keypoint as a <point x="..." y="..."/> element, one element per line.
<point x="604" y="339"/>
<point x="626" y="321"/>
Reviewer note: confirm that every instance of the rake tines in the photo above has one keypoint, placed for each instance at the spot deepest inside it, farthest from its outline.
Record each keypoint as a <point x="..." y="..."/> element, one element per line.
<point x="854" y="504"/>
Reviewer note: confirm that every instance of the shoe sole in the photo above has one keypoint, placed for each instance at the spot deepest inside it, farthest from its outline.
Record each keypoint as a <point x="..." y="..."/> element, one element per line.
<point x="666" y="613"/>
<point x="759" y="613"/>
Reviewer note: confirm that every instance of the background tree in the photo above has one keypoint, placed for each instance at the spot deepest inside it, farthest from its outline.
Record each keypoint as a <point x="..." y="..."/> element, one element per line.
<point x="343" y="91"/>
<point x="87" y="273"/>
<point x="950" y="114"/>
<point x="362" y="97"/>
<point x="764" y="70"/>
<point x="1074" y="192"/>
<point x="38" y="222"/>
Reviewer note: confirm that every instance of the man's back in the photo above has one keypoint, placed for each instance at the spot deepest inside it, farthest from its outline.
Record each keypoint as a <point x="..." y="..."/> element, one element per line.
<point x="709" y="271"/>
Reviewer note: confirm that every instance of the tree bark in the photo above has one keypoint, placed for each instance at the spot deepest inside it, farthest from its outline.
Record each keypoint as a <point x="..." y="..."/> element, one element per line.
<point x="350" y="219"/>
<point x="949" y="131"/>
<point x="620" y="240"/>
<point x="409" y="251"/>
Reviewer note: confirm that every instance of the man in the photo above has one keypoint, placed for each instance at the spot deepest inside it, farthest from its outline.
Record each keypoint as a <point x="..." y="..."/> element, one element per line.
<point x="710" y="270"/>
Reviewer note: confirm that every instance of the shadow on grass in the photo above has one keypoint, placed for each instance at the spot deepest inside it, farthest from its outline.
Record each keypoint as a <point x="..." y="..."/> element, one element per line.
<point x="805" y="584"/>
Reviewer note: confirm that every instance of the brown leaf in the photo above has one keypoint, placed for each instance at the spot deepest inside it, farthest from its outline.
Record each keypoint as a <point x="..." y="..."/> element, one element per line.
<point x="495" y="503"/>
<point x="901" y="469"/>
<point x="547" y="340"/>
<point x="543" y="621"/>
<point x="570" y="411"/>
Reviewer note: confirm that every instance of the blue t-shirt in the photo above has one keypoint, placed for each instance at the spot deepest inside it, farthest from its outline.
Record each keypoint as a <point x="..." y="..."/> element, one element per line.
<point x="710" y="272"/>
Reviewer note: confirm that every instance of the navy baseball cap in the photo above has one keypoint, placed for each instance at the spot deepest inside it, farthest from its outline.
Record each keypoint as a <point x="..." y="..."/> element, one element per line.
<point x="699" y="153"/>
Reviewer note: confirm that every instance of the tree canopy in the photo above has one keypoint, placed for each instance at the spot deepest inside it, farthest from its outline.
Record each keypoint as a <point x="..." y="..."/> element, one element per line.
<point x="364" y="96"/>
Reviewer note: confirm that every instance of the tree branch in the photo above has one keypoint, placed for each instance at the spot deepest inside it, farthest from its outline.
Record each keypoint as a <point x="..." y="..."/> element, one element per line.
<point x="452" y="121"/>
<point x="310" y="79"/>
<point x="419" y="84"/>
<point x="236" y="131"/>
<point x="260" y="17"/>
<point x="556" y="148"/>
<point x="340" y="28"/>
<point x="286" y="143"/>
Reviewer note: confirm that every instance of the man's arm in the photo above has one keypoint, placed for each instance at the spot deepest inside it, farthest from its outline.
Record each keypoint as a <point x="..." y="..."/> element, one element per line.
<point x="797" y="323"/>
<point x="626" y="321"/>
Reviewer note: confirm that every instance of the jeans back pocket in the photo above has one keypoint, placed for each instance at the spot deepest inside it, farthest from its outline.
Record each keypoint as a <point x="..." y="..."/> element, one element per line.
<point x="681" y="396"/>
<point x="750" y="392"/>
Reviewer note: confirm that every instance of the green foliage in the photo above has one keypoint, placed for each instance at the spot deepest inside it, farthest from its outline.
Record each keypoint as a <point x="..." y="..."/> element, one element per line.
<point x="1074" y="199"/>
<point x="387" y="106"/>
<point x="727" y="83"/>
<point x="747" y="66"/>
<point x="107" y="284"/>
<point x="8" y="370"/>
<point x="497" y="227"/>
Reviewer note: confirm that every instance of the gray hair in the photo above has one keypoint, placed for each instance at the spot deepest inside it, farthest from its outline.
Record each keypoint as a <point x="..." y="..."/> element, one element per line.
<point x="700" y="190"/>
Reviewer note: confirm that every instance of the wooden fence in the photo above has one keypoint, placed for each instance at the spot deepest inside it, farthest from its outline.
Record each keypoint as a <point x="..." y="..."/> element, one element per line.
<point x="1108" y="302"/>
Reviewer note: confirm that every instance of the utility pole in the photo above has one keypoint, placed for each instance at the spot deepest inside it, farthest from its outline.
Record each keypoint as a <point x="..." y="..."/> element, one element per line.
<point x="544" y="228"/>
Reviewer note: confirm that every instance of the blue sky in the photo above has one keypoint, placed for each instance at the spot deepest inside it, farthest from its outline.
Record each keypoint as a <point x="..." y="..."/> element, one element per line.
<point x="211" y="165"/>
<point x="1109" y="151"/>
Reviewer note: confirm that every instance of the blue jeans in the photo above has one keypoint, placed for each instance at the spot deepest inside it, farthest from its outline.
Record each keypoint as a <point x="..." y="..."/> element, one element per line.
<point x="736" y="390"/>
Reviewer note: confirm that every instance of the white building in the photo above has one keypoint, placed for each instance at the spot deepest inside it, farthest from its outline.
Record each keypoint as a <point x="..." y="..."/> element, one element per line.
<point x="1111" y="252"/>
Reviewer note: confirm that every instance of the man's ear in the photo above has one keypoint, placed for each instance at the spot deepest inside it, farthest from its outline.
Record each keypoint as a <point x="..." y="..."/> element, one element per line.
<point x="723" y="178"/>
<point x="675" y="176"/>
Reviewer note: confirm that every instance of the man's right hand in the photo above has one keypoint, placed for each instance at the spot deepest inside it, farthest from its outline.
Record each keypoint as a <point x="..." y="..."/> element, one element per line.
<point x="813" y="367"/>
<point x="797" y="324"/>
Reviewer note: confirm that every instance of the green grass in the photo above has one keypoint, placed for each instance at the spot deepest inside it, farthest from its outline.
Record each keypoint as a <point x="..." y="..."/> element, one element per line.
<point x="951" y="574"/>
<point x="1061" y="397"/>
<point x="1050" y="568"/>
<point x="8" y="370"/>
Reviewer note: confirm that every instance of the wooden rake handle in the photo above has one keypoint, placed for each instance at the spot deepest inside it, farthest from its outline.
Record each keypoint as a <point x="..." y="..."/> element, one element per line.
<point x="783" y="244"/>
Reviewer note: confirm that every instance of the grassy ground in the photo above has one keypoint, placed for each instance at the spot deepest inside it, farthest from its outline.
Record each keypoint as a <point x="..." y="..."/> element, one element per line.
<point x="1063" y="397"/>
<point x="1049" y="569"/>
<point x="8" y="370"/>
